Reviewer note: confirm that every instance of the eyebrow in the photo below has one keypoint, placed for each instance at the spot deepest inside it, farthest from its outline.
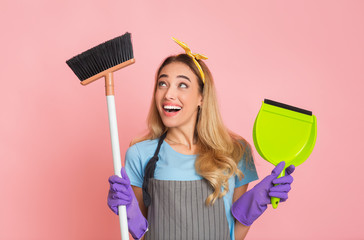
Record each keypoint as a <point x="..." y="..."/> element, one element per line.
<point x="179" y="76"/>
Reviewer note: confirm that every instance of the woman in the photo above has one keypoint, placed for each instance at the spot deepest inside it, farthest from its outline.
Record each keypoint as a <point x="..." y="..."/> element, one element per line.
<point x="189" y="175"/>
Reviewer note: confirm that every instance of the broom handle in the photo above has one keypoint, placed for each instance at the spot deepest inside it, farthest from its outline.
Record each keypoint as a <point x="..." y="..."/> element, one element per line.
<point x="116" y="153"/>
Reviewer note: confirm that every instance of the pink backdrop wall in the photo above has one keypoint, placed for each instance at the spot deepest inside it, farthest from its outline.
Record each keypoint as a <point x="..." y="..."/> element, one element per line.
<point x="54" y="142"/>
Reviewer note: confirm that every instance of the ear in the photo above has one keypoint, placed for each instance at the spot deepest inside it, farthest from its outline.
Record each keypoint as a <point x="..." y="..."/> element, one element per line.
<point x="201" y="100"/>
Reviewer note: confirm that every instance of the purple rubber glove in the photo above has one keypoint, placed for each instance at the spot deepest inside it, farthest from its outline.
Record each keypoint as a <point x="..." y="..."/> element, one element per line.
<point x="254" y="202"/>
<point x="121" y="193"/>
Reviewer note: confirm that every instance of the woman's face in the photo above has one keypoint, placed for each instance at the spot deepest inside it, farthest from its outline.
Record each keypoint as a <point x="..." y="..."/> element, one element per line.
<point x="177" y="95"/>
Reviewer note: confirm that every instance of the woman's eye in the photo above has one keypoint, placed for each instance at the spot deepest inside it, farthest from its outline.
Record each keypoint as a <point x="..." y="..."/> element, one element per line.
<point x="183" y="85"/>
<point x="160" y="84"/>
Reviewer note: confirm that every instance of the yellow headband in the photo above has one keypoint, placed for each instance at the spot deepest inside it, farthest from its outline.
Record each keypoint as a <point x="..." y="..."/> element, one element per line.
<point x="194" y="56"/>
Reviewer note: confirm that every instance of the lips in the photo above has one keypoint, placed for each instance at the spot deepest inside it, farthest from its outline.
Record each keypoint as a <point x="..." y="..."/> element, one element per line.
<point x="171" y="109"/>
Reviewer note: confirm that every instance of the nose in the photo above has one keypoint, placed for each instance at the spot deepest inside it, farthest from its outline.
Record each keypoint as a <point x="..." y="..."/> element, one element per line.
<point x="170" y="93"/>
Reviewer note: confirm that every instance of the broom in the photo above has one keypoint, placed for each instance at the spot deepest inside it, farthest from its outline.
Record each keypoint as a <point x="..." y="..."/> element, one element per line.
<point x="102" y="61"/>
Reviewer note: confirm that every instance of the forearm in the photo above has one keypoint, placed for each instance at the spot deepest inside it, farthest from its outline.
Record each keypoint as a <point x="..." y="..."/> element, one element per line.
<point x="139" y="196"/>
<point x="240" y="230"/>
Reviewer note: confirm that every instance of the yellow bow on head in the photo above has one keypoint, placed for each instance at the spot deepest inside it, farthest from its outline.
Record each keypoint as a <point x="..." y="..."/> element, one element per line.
<point x="194" y="56"/>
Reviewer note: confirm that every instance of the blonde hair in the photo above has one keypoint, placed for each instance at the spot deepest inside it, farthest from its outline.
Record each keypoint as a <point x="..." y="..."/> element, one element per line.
<point x="219" y="149"/>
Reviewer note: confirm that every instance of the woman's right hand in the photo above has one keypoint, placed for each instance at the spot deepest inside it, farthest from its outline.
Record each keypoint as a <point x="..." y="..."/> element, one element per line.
<point x="121" y="193"/>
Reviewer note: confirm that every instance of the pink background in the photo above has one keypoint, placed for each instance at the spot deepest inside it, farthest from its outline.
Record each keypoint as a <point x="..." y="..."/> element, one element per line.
<point x="55" y="147"/>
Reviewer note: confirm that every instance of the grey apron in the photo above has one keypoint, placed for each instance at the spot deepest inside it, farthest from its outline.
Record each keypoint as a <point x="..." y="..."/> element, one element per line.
<point x="178" y="211"/>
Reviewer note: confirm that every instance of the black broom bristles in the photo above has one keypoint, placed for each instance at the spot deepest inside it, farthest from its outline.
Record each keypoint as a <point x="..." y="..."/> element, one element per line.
<point x="102" y="57"/>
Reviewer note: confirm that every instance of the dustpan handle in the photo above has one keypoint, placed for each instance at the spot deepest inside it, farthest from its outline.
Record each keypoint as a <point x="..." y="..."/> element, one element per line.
<point x="117" y="161"/>
<point x="275" y="200"/>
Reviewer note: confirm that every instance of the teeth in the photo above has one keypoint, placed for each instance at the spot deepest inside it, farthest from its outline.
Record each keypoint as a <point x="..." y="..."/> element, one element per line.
<point x="172" y="107"/>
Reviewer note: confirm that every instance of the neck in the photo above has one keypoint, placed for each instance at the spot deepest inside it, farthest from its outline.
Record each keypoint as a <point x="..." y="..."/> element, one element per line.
<point x="181" y="136"/>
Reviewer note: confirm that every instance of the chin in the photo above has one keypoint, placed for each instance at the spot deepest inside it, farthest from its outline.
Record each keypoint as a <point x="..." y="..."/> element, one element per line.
<point x="169" y="124"/>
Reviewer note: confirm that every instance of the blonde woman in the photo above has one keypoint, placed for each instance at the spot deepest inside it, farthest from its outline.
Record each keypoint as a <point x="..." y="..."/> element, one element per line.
<point x="188" y="177"/>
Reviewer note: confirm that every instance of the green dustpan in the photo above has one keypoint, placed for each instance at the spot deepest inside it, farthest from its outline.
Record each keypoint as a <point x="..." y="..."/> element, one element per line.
<point x="284" y="133"/>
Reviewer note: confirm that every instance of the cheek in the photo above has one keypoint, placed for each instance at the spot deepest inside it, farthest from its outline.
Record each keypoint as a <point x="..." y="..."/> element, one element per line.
<point x="189" y="100"/>
<point x="157" y="96"/>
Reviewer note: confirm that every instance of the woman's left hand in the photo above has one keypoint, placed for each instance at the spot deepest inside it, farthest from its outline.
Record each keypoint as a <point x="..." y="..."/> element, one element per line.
<point x="254" y="202"/>
<point x="281" y="190"/>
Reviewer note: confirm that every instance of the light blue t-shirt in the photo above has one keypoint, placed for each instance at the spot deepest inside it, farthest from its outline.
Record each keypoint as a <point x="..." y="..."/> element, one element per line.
<point x="176" y="166"/>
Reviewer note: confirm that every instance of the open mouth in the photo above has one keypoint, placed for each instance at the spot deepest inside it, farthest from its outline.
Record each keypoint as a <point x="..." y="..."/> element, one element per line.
<point x="171" y="108"/>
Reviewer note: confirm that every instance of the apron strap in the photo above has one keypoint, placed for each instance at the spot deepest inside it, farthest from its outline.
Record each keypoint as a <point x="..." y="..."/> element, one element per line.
<point x="149" y="172"/>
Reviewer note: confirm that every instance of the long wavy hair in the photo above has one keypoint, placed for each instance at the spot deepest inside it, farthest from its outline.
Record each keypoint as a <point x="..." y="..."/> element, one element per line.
<point x="219" y="149"/>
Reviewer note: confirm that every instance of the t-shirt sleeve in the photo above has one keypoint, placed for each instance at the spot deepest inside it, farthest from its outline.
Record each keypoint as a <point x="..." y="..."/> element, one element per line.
<point x="247" y="166"/>
<point x="134" y="166"/>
